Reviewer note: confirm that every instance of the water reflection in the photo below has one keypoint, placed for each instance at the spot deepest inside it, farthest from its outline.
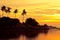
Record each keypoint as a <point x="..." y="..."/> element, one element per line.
<point x="52" y="35"/>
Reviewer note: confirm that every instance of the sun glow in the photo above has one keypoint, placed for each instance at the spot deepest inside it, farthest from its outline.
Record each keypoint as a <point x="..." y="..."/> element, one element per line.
<point x="41" y="10"/>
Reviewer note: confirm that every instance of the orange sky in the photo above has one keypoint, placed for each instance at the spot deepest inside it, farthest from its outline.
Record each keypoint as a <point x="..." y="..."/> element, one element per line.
<point x="44" y="11"/>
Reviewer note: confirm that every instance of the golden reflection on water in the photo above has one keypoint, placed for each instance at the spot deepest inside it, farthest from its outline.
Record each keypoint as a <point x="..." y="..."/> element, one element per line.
<point x="52" y="35"/>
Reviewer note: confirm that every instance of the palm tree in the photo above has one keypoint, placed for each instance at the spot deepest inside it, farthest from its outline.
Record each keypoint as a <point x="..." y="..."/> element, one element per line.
<point x="8" y="10"/>
<point x="15" y="11"/>
<point x="3" y="8"/>
<point x="23" y="13"/>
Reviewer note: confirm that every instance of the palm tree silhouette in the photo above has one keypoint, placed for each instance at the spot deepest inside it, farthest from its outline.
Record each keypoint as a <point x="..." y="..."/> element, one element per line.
<point x="8" y="10"/>
<point x="15" y="11"/>
<point x="3" y="9"/>
<point x="23" y="13"/>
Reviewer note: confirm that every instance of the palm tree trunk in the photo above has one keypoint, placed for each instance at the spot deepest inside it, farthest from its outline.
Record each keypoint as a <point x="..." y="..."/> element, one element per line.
<point x="2" y="14"/>
<point x="7" y="15"/>
<point x="23" y="19"/>
<point x="15" y="15"/>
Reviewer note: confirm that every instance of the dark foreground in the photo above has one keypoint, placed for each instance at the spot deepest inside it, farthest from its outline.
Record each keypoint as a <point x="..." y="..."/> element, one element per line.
<point x="12" y="28"/>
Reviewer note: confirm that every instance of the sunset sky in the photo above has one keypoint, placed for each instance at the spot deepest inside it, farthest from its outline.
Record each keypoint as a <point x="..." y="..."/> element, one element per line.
<point x="44" y="11"/>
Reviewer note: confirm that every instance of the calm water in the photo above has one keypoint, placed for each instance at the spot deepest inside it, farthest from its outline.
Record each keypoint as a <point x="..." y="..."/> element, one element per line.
<point x="52" y="35"/>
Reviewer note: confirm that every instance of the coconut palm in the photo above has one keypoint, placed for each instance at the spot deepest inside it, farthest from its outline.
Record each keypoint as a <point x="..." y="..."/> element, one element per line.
<point x="15" y="11"/>
<point x="23" y="13"/>
<point x="3" y="9"/>
<point x="8" y="10"/>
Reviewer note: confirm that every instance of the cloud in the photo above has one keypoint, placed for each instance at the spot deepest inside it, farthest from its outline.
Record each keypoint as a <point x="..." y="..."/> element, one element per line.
<point x="48" y="11"/>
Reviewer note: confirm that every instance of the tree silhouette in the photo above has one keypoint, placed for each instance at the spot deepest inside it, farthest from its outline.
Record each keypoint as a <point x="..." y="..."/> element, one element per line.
<point x="15" y="11"/>
<point x="31" y="21"/>
<point x="3" y="9"/>
<point x="8" y="10"/>
<point x="45" y="28"/>
<point x="9" y="28"/>
<point x="23" y="13"/>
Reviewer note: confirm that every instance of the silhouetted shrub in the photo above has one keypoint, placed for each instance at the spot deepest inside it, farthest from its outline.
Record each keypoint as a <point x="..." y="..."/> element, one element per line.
<point x="8" y="28"/>
<point x="5" y="21"/>
<point x="31" y="21"/>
